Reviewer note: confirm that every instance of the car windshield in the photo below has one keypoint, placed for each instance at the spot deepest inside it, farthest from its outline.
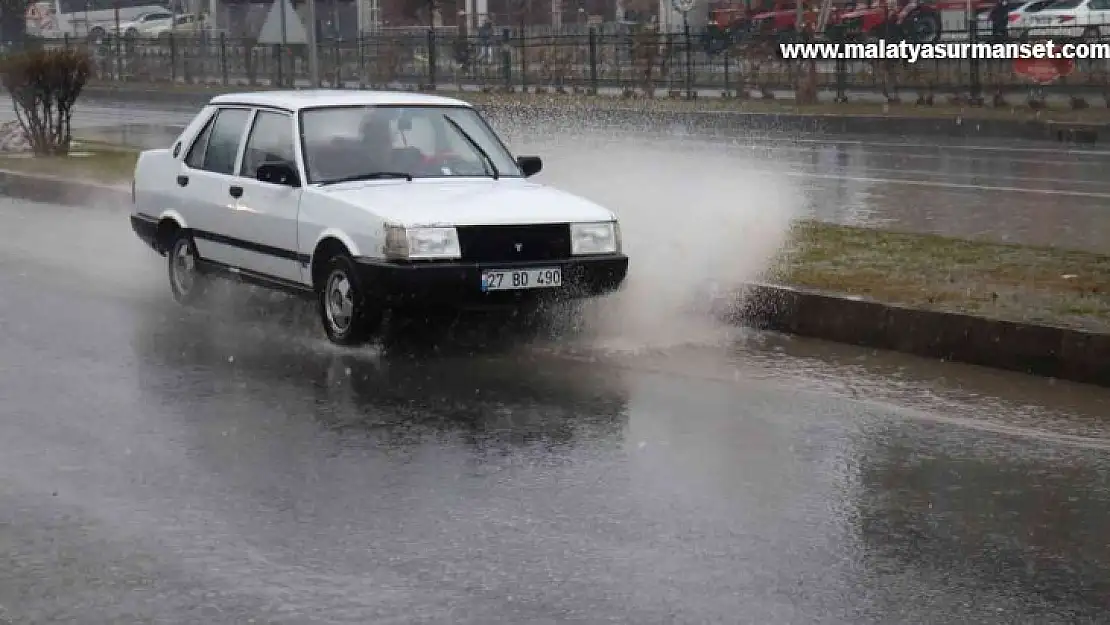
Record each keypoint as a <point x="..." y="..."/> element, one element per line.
<point x="1063" y="4"/>
<point x="365" y="142"/>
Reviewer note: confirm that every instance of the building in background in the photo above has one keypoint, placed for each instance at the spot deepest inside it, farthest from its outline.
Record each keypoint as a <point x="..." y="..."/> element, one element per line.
<point x="468" y="16"/>
<point x="347" y="19"/>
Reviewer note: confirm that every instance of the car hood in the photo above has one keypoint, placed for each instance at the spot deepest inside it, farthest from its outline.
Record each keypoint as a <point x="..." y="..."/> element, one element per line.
<point x="465" y="202"/>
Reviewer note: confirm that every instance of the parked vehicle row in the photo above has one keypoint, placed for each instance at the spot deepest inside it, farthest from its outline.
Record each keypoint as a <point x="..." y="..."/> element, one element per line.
<point x="918" y="21"/>
<point x="99" y="19"/>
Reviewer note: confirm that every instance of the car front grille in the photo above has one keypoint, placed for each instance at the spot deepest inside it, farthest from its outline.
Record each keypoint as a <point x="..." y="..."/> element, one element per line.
<point x="497" y="244"/>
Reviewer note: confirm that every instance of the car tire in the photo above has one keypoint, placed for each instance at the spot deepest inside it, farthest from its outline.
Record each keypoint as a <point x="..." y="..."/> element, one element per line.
<point x="924" y="28"/>
<point x="1091" y="33"/>
<point x="187" y="282"/>
<point x="349" y="317"/>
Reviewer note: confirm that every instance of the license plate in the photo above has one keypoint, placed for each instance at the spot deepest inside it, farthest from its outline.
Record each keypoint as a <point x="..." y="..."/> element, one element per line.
<point x="512" y="279"/>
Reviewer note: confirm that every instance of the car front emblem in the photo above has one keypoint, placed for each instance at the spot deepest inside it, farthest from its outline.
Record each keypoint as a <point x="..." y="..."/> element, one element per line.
<point x="518" y="247"/>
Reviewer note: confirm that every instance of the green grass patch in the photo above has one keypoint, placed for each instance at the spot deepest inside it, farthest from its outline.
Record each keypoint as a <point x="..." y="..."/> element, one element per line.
<point x="1012" y="282"/>
<point x="95" y="162"/>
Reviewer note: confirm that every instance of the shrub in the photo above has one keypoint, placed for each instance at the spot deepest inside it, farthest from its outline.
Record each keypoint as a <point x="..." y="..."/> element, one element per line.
<point x="44" y="85"/>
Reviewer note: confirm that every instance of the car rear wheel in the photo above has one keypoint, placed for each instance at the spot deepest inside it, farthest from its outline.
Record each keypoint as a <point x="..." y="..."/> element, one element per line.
<point x="349" y="317"/>
<point x="187" y="282"/>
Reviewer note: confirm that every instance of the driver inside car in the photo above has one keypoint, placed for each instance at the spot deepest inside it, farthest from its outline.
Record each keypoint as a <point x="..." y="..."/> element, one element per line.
<point x="381" y="152"/>
<point x="376" y="137"/>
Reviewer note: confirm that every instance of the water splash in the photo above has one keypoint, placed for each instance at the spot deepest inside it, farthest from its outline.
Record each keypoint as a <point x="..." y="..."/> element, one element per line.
<point x="695" y="225"/>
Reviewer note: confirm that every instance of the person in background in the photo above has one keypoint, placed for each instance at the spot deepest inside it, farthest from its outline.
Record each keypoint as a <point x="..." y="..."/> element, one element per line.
<point x="485" y="40"/>
<point x="1000" y="16"/>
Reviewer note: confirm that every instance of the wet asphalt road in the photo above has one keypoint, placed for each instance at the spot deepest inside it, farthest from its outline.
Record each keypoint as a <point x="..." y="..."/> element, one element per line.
<point x="162" y="465"/>
<point x="1022" y="192"/>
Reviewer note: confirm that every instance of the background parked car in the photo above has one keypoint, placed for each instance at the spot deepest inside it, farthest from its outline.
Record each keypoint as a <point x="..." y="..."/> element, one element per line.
<point x="1017" y="9"/>
<point x="160" y="24"/>
<point x="146" y="21"/>
<point x="1089" y="19"/>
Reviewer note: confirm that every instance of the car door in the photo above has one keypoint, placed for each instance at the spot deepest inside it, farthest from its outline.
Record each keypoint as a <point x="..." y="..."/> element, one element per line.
<point x="206" y="178"/>
<point x="265" y="213"/>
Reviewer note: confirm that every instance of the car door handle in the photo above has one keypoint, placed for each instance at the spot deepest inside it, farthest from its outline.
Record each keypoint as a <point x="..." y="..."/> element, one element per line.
<point x="236" y="192"/>
<point x="182" y="181"/>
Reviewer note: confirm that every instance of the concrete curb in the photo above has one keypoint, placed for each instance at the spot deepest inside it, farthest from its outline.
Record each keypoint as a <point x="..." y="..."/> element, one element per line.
<point x="618" y="113"/>
<point x="1029" y="348"/>
<point x="1042" y="350"/>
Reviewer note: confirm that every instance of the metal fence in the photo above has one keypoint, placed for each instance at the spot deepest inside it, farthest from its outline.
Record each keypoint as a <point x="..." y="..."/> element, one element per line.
<point x="587" y="63"/>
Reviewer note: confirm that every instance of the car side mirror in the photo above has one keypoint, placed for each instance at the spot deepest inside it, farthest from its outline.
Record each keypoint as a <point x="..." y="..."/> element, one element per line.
<point x="277" y="172"/>
<point x="529" y="165"/>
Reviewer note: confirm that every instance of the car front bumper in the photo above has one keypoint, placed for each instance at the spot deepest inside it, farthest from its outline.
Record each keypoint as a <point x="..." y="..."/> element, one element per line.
<point x="458" y="284"/>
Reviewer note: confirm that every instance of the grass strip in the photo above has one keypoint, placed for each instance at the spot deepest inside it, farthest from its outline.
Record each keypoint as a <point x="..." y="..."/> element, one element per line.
<point x="1012" y="282"/>
<point x="95" y="162"/>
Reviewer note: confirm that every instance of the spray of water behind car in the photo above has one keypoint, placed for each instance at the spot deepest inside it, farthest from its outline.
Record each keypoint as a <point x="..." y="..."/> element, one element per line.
<point x="696" y="222"/>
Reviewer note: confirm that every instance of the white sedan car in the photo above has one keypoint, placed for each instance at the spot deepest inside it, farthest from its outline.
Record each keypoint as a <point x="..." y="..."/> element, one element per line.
<point x="1089" y="19"/>
<point x="143" y="24"/>
<point x="369" y="202"/>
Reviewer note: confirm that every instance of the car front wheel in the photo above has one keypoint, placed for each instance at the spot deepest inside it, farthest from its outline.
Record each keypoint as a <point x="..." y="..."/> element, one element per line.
<point x="349" y="318"/>
<point x="187" y="282"/>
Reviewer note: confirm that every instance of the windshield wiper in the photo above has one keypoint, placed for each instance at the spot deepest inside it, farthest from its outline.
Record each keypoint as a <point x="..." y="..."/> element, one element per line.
<point x="492" y="169"/>
<point x="376" y="175"/>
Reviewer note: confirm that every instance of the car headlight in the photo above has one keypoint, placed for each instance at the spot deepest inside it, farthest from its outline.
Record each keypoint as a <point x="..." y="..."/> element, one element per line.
<point x="421" y="243"/>
<point x="602" y="237"/>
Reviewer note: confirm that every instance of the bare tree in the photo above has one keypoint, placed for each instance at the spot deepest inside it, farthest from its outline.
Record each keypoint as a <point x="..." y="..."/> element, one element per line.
<point x="44" y="85"/>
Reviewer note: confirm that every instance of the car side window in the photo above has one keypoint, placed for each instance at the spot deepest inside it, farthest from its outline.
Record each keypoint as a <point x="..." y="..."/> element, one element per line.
<point x="223" y="141"/>
<point x="195" y="157"/>
<point x="270" y="140"/>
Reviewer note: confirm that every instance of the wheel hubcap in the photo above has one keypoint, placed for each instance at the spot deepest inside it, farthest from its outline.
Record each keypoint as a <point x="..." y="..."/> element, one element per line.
<point x="184" y="267"/>
<point x="339" y="302"/>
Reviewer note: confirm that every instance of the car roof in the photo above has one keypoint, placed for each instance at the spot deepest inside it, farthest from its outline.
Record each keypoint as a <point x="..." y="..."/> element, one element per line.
<point x="295" y="100"/>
